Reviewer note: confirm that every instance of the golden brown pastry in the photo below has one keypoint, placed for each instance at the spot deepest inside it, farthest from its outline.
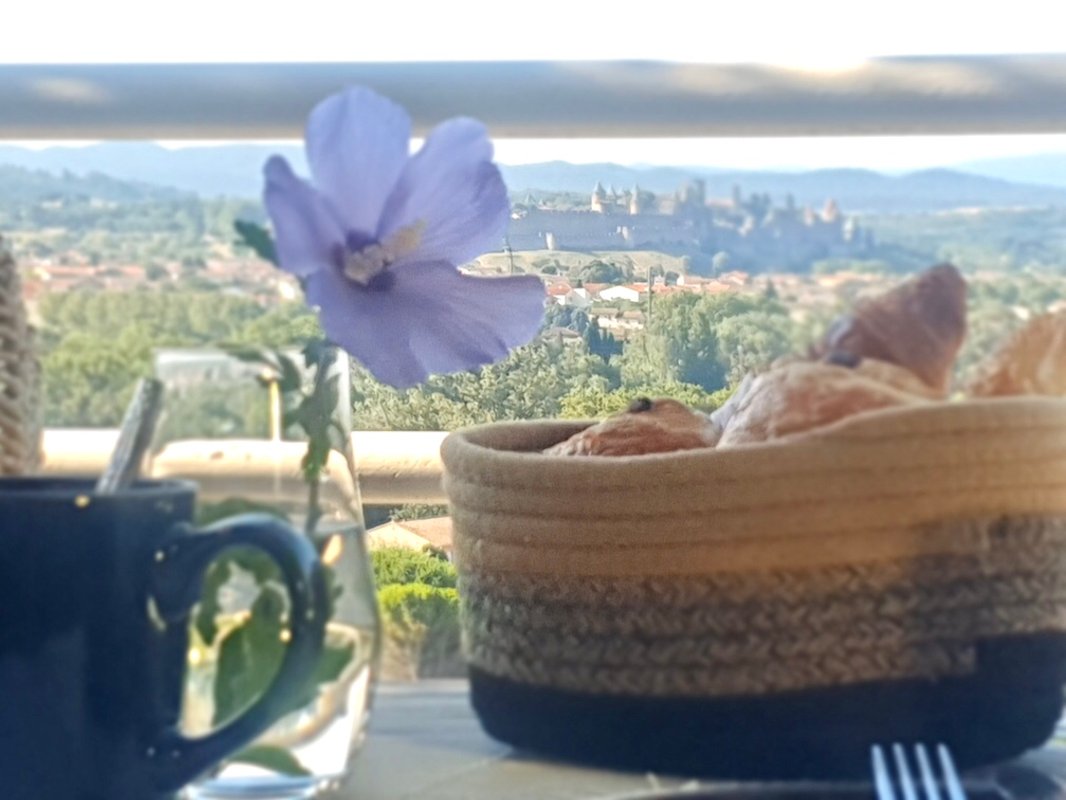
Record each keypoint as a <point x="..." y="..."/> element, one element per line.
<point x="1032" y="361"/>
<point x="897" y="377"/>
<point x="801" y="396"/>
<point x="648" y="426"/>
<point x="919" y="325"/>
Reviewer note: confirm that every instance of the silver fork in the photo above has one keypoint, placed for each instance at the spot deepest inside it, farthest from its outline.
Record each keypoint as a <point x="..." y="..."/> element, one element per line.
<point x="904" y="783"/>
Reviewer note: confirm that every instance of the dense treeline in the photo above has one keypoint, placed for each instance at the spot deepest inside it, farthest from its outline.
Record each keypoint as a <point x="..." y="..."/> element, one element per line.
<point x="96" y="345"/>
<point x="993" y="239"/>
<point x="694" y="347"/>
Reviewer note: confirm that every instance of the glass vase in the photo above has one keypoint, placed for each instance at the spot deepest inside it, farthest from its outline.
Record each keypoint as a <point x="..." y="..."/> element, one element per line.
<point x="248" y="458"/>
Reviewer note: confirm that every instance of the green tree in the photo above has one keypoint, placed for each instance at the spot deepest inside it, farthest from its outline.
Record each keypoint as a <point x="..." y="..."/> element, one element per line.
<point x="88" y="379"/>
<point x="682" y="342"/>
<point x="752" y="340"/>
<point x="602" y="272"/>
<point x="600" y="343"/>
<point x="96" y="345"/>
<point x="529" y="384"/>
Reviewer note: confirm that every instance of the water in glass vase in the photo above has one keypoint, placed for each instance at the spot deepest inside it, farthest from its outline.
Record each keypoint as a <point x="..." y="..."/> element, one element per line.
<point x="233" y="656"/>
<point x="308" y="751"/>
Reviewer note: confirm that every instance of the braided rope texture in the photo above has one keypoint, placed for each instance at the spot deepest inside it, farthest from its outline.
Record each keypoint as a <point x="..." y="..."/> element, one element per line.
<point x="758" y="633"/>
<point x="20" y="428"/>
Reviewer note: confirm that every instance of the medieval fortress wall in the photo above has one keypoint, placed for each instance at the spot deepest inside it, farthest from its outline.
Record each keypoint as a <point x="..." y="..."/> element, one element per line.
<point x="751" y="231"/>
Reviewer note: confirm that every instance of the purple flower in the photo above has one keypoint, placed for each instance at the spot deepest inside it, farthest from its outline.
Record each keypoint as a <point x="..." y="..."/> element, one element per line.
<point x="377" y="236"/>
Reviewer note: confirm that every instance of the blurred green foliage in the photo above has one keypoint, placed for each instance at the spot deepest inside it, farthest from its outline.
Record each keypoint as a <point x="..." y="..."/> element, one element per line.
<point x="400" y="565"/>
<point x="421" y="627"/>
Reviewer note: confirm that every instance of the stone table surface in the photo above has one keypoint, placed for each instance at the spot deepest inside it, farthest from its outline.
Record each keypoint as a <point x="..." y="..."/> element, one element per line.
<point x="425" y="742"/>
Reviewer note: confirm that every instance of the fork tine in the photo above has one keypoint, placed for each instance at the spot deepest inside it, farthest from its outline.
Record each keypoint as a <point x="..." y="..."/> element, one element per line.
<point x="928" y="776"/>
<point x="882" y="779"/>
<point x="906" y="783"/>
<point x="951" y="775"/>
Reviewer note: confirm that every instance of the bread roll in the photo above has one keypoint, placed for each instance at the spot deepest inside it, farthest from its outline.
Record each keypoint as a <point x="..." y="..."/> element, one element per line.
<point x="649" y="426"/>
<point x="919" y="325"/>
<point x="897" y="377"/>
<point x="802" y="396"/>
<point x="1032" y="361"/>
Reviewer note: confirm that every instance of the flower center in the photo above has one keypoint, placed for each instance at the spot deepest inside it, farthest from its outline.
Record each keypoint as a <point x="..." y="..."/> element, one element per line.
<point x="364" y="261"/>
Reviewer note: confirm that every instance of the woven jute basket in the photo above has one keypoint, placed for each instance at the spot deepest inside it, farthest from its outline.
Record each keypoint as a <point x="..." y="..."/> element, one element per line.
<point x="20" y="428"/>
<point x="896" y="558"/>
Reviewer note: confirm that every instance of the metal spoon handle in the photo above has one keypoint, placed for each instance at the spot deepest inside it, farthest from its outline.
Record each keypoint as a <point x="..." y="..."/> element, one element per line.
<point x="134" y="438"/>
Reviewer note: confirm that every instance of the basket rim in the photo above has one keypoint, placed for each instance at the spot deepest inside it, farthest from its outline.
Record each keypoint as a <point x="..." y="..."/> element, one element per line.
<point x="991" y="418"/>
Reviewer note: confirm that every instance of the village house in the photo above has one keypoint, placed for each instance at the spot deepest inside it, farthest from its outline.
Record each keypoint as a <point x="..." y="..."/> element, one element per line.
<point x="632" y="293"/>
<point x="621" y="324"/>
<point x="414" y="534"/>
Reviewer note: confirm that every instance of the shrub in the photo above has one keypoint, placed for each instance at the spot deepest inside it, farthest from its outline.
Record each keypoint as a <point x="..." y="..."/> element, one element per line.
<point x="421" y="627"/>
<point x="399" y="565"/>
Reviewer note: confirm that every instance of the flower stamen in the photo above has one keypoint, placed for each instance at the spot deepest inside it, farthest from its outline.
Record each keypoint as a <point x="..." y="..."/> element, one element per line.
<point x="363" y="265"/>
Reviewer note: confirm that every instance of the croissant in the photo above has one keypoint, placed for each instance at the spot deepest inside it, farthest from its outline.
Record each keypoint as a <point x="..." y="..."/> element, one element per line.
<point x="919" y="325"/>
<point x="1032" y="361"/>
<point x="804" y="395"/>
<point x="648" y="426"/>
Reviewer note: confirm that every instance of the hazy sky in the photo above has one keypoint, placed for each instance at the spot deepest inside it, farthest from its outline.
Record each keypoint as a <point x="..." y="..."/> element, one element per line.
<point x="816" y="32"/>
<point x="820" y="34"/>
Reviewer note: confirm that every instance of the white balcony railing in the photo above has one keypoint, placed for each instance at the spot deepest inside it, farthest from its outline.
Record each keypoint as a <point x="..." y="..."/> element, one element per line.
<point x="903" y="95"/>
<point x="394" y="466"/>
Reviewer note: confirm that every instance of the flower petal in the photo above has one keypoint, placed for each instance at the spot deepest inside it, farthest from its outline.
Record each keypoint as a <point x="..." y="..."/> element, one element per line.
<point x="305" y="227"/>
<point x="432" y="319"/>
<point x="452" y="187"/>
<point x="369" y="325"/>
<point x="357" y="144"/>
<point x="471" y="321"/>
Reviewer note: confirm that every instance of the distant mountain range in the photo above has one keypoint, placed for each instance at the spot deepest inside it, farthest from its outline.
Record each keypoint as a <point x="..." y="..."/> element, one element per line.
<point x="1046" y="169"/>
<point x="235" y="170"/>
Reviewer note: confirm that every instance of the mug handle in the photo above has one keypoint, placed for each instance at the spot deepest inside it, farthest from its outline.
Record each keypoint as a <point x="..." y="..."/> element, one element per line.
<point x="175" y="586"/>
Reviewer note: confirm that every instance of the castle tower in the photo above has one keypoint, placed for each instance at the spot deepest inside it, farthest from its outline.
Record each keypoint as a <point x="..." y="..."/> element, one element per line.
<point x="850" y="230"/>
<point x="636" y="206"/>
<point x="698" y="192"/>
<point x="831" y="212"/>
<point x="598" y="203"/>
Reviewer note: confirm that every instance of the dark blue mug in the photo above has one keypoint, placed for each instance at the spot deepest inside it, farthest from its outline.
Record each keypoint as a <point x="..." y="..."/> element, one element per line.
<point x="95" y="593"/>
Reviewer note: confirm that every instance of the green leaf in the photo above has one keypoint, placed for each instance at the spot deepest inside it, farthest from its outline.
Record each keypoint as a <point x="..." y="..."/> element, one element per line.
<point x="249" y="656"/>
<point x="331" y="665"/>
<point x="208" y="608"/>
<point x="314" y="460"/>
<point x="339" y="437"/>
<point x="276" y="759"/>
<point x="333" y="661"/>
<point x="291" y="379"/>
<point x="258" y="239"/>
<point x="316" y="351"/>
